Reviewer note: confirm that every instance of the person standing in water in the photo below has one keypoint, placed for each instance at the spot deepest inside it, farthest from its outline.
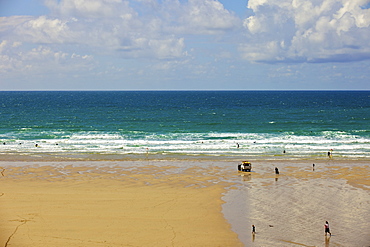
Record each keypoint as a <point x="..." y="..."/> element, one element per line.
<point x="327" y="229"/>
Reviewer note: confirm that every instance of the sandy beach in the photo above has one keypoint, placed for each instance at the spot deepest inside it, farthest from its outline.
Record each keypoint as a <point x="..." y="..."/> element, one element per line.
<point x="183" y="203"/>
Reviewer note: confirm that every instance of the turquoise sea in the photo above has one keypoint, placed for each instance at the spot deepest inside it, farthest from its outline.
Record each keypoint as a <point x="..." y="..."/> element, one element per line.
<point x="187" y="123"/>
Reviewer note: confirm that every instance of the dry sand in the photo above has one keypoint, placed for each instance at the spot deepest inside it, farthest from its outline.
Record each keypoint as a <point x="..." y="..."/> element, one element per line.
<point x="183" y="203"/>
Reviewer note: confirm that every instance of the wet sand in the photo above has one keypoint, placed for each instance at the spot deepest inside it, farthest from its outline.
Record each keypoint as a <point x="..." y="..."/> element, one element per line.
<point x="184" y="203"/>
<point x="290" y="209"/>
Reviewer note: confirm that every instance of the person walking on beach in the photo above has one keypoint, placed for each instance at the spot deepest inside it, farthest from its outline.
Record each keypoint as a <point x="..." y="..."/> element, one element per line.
<point x="253" y="229"/>
<point x="327" y="229"/>
<point x="276" y="170"/>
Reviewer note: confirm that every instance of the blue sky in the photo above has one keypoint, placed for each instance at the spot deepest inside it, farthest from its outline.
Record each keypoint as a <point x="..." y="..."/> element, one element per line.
<point x="184" y="45"/>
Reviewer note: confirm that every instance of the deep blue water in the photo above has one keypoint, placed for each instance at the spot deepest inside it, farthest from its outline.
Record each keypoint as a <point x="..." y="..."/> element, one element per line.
<point x="304" y="123"/>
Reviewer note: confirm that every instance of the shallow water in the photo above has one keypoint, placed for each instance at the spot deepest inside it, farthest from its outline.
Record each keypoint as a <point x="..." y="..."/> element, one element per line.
<point x="291" y="211"/>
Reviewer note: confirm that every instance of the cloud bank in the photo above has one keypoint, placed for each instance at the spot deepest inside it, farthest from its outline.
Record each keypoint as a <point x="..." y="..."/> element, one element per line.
<point x="76" y="32"/>
<point x="307" y="31"/>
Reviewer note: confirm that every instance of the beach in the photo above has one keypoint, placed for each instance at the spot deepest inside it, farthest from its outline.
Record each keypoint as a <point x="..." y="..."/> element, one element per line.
<point x="159" y="168"/>
<point x="183" y="202"/>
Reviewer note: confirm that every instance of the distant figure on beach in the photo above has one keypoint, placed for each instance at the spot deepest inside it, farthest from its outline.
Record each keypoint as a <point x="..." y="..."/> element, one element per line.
<point x="284" y="152"/>
<point x="313" y="167"/>
<point x="327" y="229"/>
<point x="237" y="144"/>
<point x="36" y="145"/>
<point x="276" y="170"/>
<point x="330" y="155"/>
<point x="253" y="229"/>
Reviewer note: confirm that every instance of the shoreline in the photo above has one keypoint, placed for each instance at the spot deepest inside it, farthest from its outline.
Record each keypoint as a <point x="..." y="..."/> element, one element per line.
<point x="50" y="157"/>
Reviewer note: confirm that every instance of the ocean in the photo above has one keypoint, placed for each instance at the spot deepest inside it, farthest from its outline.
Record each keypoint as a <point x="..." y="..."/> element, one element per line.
<point x="274" y="124"/>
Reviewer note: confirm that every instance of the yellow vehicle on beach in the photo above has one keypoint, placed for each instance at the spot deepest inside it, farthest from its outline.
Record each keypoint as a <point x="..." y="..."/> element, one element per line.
<point x="245" y="166"/>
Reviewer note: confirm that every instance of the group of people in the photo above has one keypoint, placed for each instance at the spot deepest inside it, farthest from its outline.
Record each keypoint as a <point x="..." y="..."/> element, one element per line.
<point x="326" y="226"/>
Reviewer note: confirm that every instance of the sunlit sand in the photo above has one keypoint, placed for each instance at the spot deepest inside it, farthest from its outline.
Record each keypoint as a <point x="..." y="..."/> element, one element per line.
<point x="184" y="203"/>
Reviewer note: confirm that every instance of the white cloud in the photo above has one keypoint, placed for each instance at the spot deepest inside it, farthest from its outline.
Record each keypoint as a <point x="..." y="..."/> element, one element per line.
<point x="44" y="30"/>
<point x="307" y="31"/>
<point x="9" y="23"/>
<point x="3" y="45"/>
<point x="40" y="58"/>
<point x="167" y="48"/>
<point x="207" y="17"/>
<point x="99" y="26"/>
<point x="128" y="29"/>
<point x="87" y="8"/>
<point x="194" y="36"/>
<point x="255" y="25"/>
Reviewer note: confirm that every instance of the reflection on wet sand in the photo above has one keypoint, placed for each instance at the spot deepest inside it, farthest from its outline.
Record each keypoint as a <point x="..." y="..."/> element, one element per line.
<point x="246" y="176"/>
<point x="304" y="197"/>
<point x="327" y="241"/>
